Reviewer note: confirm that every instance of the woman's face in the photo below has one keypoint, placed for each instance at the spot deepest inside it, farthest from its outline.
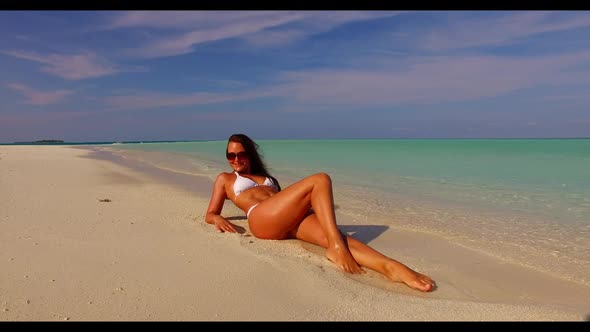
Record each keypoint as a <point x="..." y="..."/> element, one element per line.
<point x="237" y="157"/>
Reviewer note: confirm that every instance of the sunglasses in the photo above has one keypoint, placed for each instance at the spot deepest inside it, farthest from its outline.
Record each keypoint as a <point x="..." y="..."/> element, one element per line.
<point x="242" y="155"/>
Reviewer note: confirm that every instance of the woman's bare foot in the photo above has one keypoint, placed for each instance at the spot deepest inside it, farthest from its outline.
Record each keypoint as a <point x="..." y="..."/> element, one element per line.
<point x="398" y="272"/>
<point x="342" y="257"/>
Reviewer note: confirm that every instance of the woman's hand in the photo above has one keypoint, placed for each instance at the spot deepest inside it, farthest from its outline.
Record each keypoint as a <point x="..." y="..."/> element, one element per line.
<point x="223" y="225"/>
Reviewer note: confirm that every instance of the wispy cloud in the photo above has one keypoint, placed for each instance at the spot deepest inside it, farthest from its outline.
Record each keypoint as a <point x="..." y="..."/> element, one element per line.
<point x="70" y="67"/>
<point x="229" y="115"/>
<point x="274" y="38"/>
<point x="36" y="97"/>
<point x="581" y="96"/>
<point x="181" y="20"/>
<point x="433" y="79"/>
<point x="149" y="100"/>
<point x="566" y="100"/>
<point x="500" y="30"/>
<point x="227" y="84"/>
<point x="423" y="80"/>
<point x="312" y="23"/>
<point x="181" y="31"/>
<point x="183" y="43"/>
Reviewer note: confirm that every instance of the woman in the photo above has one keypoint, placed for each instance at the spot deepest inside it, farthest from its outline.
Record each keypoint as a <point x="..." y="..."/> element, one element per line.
<point x="304" y="210"/>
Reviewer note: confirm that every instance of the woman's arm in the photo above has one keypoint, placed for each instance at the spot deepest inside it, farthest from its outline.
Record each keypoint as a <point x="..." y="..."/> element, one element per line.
<point x="218" y="197"/>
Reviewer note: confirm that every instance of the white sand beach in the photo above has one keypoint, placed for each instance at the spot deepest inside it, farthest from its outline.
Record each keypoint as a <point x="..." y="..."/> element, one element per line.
<point x="85" y="239"/>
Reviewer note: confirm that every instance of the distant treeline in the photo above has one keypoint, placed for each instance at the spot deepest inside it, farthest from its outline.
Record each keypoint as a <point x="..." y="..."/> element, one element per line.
<point x="42" y="141"/>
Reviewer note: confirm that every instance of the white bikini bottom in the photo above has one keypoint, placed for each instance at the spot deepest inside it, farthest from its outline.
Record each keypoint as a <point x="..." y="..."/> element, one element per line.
<point x="250" y="210"/>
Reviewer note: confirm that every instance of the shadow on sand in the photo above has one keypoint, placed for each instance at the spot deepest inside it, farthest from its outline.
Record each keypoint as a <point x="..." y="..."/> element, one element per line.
<point x="240" y="229"/>
<point x="363" y="233"/>
<point x="236" y="218"/>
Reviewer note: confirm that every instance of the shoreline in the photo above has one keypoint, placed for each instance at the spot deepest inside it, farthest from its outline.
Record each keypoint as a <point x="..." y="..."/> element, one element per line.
<point x="153" y="258"/>
<point x="405" y="243"/>
<point x="513" y="237"/>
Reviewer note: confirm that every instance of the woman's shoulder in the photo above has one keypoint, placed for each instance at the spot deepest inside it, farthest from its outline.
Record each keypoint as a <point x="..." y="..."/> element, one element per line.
<point x="225" y="176"/>
<point x="224" y="180"/>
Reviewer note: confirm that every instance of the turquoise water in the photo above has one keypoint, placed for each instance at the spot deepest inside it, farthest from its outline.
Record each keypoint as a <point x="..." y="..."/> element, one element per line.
<point x="526" y="201"/>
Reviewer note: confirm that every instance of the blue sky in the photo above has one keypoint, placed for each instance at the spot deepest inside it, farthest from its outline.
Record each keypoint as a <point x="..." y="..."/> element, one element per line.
<point x="190" y="75"/>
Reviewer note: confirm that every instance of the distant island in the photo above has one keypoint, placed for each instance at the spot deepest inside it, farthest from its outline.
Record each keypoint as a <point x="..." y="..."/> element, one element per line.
<point x="42" y="141"/>
<point x="50" y="141"/>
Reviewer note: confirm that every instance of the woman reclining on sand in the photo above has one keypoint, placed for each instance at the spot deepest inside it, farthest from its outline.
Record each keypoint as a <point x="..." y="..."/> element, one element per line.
<point x="304" y="210"/>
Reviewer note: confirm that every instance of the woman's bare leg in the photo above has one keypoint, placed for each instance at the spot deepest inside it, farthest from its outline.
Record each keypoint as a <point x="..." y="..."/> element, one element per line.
<point x="310" y="231"/>
<point x="277" y="216"/>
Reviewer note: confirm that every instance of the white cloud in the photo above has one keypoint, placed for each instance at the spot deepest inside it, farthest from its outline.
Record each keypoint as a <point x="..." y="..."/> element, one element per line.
<point x="432" y="79"/>
<point x="179" y="32"/>
<point x="500" y="30"/>
<point x="187" y="20"/>
<point x="424" y="80"/>
<point x="183" y="43"/>
<point x="36" y="97"/>
<point x="149" y="100"/>
<point x="70" y="67"/>
<point x="312" y="23"/>
<point x="274" y="38"/>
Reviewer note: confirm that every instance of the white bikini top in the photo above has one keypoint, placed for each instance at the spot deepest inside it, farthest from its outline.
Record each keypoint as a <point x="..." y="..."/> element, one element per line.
<point x="243" y="183"/>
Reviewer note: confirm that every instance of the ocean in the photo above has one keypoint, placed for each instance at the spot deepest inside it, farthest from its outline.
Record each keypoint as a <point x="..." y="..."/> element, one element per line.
<point x="524" y="201"/>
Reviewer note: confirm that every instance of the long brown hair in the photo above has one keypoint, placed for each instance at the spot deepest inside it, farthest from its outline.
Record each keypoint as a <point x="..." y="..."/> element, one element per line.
<point x="257" y="166"/>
